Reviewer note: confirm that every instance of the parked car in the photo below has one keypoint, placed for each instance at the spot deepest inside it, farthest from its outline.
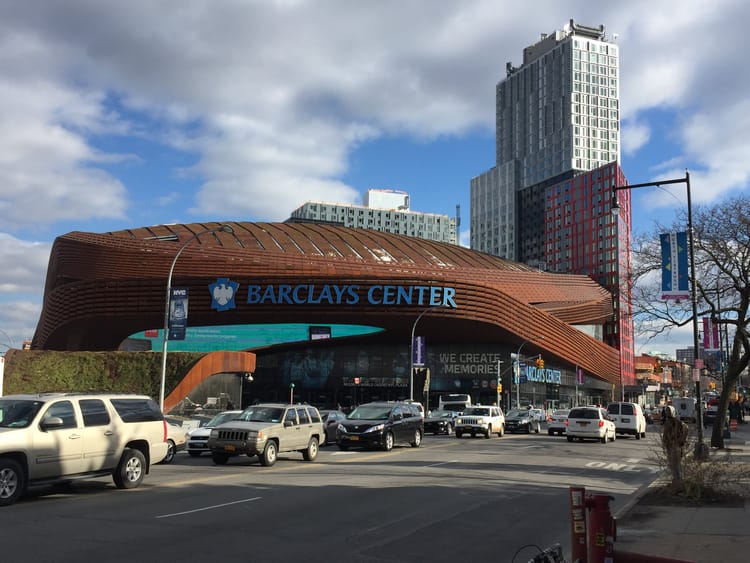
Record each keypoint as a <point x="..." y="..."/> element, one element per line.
<point x="381" y="425"/>
<point x="267" y="429"/>
<point x="590" y="423"/>
<point x="522" y="420"/>
<point x="440" y="422"/>
<point x="331" y="419"/>
<point x="58" y="437"/>
<point x="197" y="439"/>
<point x="481" y="419"/>
<point x="176" y="440"/>
<point x="628" y="418"/>
<point x="556" y="423"/>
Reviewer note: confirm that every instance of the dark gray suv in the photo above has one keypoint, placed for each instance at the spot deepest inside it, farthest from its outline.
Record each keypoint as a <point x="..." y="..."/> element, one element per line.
<point x="381" y="425"/>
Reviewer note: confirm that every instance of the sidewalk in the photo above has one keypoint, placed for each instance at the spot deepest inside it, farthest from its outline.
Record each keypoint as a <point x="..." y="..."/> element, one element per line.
<point x="702" y="534"/>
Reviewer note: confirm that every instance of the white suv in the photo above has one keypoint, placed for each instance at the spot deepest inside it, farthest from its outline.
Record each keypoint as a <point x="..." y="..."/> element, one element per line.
<point x="481" y="419"/>
<point x="57" y="437"/>
<point x="628" y="418"/>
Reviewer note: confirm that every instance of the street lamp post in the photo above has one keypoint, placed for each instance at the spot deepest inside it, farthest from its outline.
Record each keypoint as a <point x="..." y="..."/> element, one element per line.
<point x="165" y="336"/>
<point x="411" y="351"/>
<point x="701" y="451"/>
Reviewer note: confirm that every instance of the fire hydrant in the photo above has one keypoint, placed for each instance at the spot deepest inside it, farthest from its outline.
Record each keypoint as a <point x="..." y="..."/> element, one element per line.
<point x="602" y="529"/>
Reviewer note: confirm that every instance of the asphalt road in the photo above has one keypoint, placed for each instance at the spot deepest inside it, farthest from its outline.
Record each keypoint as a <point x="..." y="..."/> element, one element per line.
<point x="452" y="500"/>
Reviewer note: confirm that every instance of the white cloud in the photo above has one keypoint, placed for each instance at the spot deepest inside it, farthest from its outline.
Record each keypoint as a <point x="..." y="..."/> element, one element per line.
<point x="257" y="107"/>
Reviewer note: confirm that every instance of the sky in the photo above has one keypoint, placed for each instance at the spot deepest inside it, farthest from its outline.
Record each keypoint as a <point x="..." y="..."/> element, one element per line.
<point x="126" y="114"/>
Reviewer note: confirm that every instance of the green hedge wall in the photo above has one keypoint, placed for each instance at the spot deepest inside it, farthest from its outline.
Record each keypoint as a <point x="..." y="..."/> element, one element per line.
<point x="36" y="371"/>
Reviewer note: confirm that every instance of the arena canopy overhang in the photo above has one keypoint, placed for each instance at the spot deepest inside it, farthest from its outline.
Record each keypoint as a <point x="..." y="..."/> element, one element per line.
<point x="103" y="287"/>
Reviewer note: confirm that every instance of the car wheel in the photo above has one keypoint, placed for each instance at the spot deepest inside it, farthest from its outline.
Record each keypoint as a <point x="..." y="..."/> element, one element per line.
<point x="312" y="450"/>
<point x="388" y="441"/>
<point x="550" y="432"/>
<point x="488" y="432"/>
<point x="171" y="452"/>
<point x="12" y="481"/>
<point x="194" y="454"/>
<point x="502" y="431"/>
<point x="219" y="458"/>
<point x="459" y="433"/>
<point x="643" y="434"/>
<point x="268" y="457"/>
<point x="570" y="438"/>
<point x="131" y="469"/>
<point x="417" y="439"/>
<point x="614" y="436"/>
<point x="449" y="429"/>
<point x="637" y="435"/>
<point x="604" y="439"/>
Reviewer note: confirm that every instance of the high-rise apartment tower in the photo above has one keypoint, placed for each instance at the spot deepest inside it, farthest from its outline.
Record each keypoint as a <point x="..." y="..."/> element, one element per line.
<point x="547" y="201"/>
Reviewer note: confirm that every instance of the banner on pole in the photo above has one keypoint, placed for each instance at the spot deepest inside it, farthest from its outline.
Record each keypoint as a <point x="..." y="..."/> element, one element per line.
<point x="674" y="266"/>
<point x="710" y="335"/>
<point x="178" y="313"/>
<point x="419" y="351"/>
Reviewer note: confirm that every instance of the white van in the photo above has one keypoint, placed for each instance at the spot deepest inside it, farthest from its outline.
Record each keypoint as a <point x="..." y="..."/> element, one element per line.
<point x="685" y="408"/>
<point x="628" y="419"/>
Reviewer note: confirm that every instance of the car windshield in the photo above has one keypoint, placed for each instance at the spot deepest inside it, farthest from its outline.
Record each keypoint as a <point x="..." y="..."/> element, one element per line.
<point x="18" y="413"/>
<point x="370" y="412"/>
<point x="262" y="414"/>
<point x="518" y="412"/>
<point x="477" y="411"/>
<point x="443" y="414"/>
<point x="222" y="417"/>
<point x="560" y="413"/>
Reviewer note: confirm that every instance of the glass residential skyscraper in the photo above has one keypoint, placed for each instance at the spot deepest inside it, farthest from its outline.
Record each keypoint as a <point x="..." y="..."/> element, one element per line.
<point x="547" y="200"/>
<point x="556" y="115"/>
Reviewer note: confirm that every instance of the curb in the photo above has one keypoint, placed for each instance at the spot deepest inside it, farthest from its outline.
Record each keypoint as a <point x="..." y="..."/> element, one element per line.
<point x="635" y="498"/>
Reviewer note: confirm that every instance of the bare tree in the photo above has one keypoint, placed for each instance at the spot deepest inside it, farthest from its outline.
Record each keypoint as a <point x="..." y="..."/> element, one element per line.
<point x="722" y="264"/>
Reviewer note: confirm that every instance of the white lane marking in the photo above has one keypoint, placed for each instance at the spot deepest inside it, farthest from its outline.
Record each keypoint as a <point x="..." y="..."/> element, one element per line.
<point x="209" y="507"/>
<point x="443" y="463"/>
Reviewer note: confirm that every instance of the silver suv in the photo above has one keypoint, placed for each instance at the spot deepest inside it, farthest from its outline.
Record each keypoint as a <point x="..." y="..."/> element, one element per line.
<point x="58" y="437"/>
<point x="266" y="430"/>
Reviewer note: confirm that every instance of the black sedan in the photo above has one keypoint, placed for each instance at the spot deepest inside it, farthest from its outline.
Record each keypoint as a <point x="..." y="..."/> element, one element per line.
<point x="331" y="419"/>
<point x="440" y="422"/>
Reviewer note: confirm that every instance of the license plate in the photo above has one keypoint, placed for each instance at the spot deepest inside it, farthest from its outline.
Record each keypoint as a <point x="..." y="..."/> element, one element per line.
<point x="229" y="448"/>
<point x="626" y="420"/>
<point x="354" y="438"/>
<point x="583" y="423"/>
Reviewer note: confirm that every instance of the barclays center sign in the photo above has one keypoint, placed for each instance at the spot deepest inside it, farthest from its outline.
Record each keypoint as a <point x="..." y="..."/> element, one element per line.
<point x="224" y="292"/>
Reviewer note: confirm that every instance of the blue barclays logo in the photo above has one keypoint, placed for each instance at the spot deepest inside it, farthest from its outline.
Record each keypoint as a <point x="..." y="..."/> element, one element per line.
<point x="222" y="293"/>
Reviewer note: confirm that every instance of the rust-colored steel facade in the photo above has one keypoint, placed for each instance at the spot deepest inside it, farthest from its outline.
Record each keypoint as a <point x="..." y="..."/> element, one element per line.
<point x="103" y="287"/>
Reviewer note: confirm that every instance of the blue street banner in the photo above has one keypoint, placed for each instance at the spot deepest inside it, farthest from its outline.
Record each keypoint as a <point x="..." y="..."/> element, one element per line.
<point x="418" y="348"/>
<point x="674" y="266"/>
<point x="178" y="313"/>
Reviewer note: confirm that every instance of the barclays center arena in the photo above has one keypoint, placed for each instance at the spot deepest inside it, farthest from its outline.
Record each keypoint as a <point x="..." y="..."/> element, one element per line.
<point x="334" y="315"/>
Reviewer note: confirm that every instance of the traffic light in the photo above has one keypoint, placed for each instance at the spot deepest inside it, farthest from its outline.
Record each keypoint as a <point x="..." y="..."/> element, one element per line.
<point x="500" y="388"/>
<point x="539" y="363"/>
